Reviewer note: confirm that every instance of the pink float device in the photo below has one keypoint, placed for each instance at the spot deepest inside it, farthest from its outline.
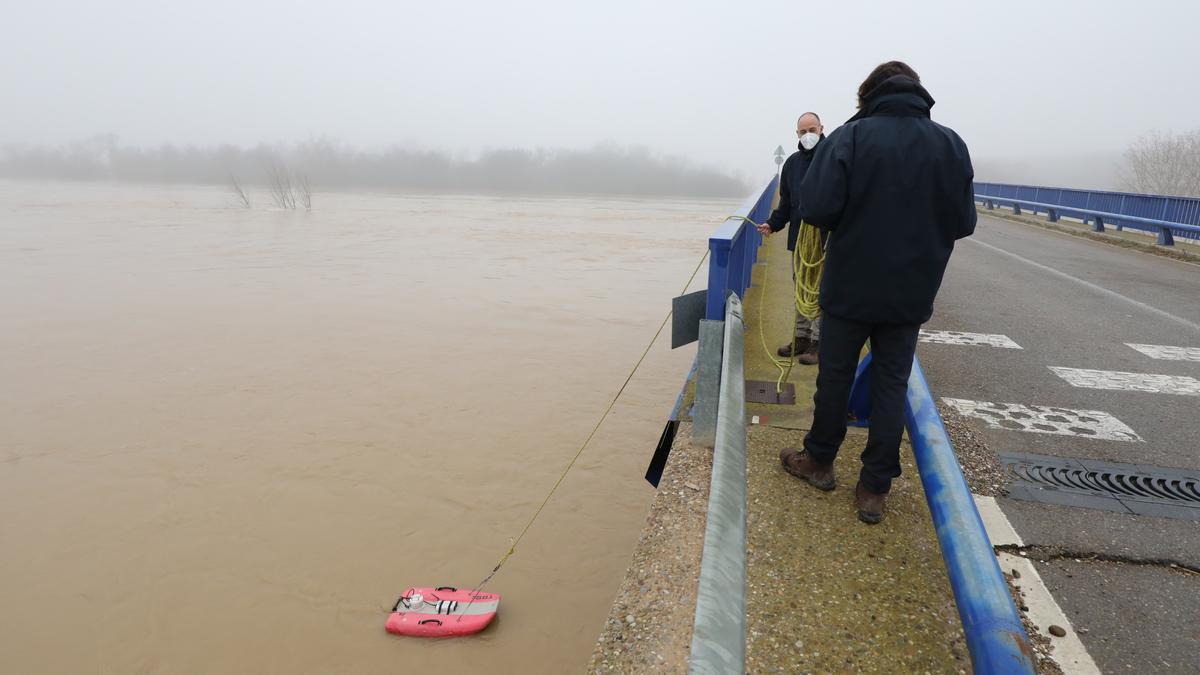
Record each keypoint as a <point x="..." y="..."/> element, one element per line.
<point x="442" y="612"/>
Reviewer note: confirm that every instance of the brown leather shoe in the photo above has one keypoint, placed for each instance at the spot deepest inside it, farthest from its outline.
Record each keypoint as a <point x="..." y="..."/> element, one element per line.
<point x="800" y="465"/>
<point x="809" y="357"/>
<point x="797" y="346"/>
<point x="869" y="505"/>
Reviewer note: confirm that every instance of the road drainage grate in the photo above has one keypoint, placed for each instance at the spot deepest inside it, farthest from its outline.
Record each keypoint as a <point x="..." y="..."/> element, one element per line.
<point x="1126" y="488"/>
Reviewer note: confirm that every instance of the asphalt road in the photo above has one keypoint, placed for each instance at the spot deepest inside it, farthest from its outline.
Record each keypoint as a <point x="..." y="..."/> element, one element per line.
<point x="1073" y="304"/>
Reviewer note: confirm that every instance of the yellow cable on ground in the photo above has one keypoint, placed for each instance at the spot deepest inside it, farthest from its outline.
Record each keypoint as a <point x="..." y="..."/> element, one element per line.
<point x="808" y="262"/>
<point x="784" y="365"/>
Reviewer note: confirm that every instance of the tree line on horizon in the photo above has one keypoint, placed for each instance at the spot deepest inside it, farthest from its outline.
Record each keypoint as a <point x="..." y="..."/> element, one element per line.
<point x="603" y="169"/>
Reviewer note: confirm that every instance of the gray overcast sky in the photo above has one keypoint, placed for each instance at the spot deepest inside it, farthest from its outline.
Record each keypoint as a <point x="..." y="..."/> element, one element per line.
<point x="720" y="83"/>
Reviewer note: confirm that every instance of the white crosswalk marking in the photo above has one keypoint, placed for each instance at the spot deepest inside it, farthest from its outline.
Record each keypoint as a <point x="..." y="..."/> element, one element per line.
<point x="951" y="337"/>
<point x="1119" y="381"/>
<point x="1044" y="420"/>
<point x="1168" y="353"/>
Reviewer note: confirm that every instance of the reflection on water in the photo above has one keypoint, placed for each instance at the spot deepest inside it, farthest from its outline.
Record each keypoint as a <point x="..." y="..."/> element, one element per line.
<point x="230" y="438"/>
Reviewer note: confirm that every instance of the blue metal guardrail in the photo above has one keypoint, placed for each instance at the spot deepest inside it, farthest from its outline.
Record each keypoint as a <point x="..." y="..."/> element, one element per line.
<point x="995" y="636"/>
<point x="733" y="248"/>
<point x="1167" y="216"/>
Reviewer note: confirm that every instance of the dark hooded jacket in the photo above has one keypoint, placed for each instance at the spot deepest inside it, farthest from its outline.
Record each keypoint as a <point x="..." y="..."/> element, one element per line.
<point x="894" y="189"/>
<point x="788" y="210"/>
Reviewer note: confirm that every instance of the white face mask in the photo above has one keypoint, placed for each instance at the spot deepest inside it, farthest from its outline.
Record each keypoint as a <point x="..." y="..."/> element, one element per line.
<point x="809" y="140"/>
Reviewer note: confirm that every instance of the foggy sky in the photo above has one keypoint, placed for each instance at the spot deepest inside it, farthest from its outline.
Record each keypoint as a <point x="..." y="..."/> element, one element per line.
<point x="1027" y="84"/>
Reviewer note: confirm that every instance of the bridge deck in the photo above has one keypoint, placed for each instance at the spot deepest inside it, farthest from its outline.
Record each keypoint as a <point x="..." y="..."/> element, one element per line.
<point x="828" y="593"/>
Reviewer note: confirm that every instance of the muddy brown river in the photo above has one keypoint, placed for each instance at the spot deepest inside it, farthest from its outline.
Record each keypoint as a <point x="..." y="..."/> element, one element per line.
<point x="230" y="438"/>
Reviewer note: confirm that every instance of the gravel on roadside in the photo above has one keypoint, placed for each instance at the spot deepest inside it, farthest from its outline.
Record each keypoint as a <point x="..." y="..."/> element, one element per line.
<point x="984" y="473"/>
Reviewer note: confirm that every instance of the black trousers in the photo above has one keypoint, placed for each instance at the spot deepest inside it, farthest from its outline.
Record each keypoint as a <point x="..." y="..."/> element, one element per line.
<point x="892" y="349"/>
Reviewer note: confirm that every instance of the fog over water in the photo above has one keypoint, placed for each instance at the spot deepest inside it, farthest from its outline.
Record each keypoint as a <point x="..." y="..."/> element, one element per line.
<point x="1051" y="92"/>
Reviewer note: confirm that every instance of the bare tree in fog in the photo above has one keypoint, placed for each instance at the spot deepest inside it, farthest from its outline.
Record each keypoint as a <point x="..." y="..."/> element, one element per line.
<point x="305" y="192"/>
<point x="243" y="199"/>
<point x="1165" y="164"/>
<point x="280" y="183"/>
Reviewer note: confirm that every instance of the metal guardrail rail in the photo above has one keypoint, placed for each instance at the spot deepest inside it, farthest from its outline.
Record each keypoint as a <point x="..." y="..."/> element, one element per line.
<point x="719" y="632"/>
<point x="1165" y="215"/>
<point x="995" y="636"/>
<point x="1166" y="231"/>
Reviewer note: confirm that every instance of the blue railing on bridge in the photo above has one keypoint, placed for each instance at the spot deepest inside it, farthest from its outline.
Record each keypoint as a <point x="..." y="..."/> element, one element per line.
<point x="1164" y="215"/>
<point x="733" y="249"/>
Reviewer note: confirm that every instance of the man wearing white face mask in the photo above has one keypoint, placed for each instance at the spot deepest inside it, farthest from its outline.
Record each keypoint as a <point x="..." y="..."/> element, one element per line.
<point x="810" y="132"/>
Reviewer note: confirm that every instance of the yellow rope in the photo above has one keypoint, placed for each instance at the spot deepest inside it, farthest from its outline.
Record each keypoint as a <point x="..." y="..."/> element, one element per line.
<point x="808" y="263"/>
<point x="512" y="546"/>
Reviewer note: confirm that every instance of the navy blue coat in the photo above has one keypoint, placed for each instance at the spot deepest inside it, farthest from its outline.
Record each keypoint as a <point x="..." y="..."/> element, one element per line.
<point x="788" y="209"/>
<point x="894" y="189"/>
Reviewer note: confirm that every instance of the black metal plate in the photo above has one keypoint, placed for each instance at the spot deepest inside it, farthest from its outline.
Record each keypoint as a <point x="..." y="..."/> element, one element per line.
<point x="662" y="451"/>
<point x="758" y="391"/>
<point x="686" y="312"/>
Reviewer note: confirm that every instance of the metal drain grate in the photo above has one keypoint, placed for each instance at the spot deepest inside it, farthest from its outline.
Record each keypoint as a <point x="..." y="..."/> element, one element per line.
<point x="1126" y="488"/>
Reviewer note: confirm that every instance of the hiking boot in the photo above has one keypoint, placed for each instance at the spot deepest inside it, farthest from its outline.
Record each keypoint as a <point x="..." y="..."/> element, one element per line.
<point x="797" y="346"/>
<point x="801" y="465"/>
<point x="869" y="505"/>
<point x="809" y="356"/>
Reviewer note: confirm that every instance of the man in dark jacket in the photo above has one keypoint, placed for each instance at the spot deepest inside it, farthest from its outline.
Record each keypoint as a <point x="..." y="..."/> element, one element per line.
<point x="894" y="189"/>
<point x="809" y="130"/>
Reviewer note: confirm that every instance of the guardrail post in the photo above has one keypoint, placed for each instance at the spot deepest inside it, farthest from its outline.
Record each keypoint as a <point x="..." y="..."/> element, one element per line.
<point x="1016" y="209"/>
<point x="1097" y="224"/>
<point x="859" y="408"/>
<point x="1052" y="215"/>
<point x="751" y="252"/>
<point x="718" y="279"/>
<point x="1165" y="238"/>
<point x="708" y="383"/>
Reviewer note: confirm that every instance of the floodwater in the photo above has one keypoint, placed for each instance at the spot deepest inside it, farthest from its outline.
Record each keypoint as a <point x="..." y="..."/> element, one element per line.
<point x="230" y="438"/>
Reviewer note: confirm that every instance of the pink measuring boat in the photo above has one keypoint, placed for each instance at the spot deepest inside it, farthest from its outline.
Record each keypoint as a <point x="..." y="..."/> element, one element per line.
<point x="442" y="612"/>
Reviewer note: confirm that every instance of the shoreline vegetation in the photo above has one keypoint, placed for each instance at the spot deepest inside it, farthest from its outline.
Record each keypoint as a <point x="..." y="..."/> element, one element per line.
<point x="607" y="169"/>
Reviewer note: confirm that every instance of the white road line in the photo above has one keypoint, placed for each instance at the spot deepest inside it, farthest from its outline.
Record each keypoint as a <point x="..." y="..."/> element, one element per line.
<point x="950" y="337"/>
<point x="1043" y="611"/>
<point x="1119" y="381"/>
<point x="1046" y="420"/>
<point x="1100" y="289"/>
<point x="999" y="530"/>
<point x="1168" y="353"/>
<point x="1069" y="652"/>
